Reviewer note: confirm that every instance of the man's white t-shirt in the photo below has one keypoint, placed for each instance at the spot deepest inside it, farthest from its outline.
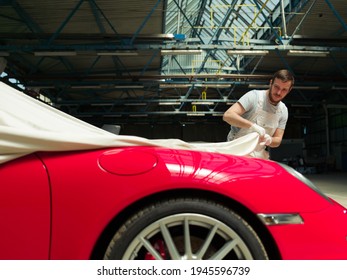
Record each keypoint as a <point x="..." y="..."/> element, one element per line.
<point x="249" y="102"/>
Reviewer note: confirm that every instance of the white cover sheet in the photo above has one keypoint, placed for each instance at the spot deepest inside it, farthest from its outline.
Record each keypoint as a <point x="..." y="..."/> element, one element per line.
<point x="28" y="125"/>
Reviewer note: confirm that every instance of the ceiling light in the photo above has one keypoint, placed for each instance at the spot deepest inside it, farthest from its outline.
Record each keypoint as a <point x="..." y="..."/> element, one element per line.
<point x="205" y="85"/>
<point x="217" y="85"/>
<point x="61" y="53"/>
<point x="180" y="52"/>
<point x="257" y="86"/>
<point x="175" y="85"/>
<point x="167" y="103"/>
<point x="307" y="53"/>
<point x="196" y="114"/>
<point x="247" y="52"/>
<point x="202" y="103"/>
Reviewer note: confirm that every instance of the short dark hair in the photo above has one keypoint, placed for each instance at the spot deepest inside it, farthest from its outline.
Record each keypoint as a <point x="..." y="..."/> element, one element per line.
<point x="284" y="75"/>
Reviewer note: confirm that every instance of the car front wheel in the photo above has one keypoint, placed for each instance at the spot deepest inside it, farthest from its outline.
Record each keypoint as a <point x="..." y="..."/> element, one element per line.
<point x="185" y="229"/>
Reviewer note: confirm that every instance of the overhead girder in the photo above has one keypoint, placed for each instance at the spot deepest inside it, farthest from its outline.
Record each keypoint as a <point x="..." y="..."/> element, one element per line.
<point x="289" y="39"/>
<point x="337" y="15"/>
<point x="83" y="49"/>
<point x="198" y="18"/>
<point x="99" y="82"/>
<point x="137" y="32"/>
<point x="187" y="19"/>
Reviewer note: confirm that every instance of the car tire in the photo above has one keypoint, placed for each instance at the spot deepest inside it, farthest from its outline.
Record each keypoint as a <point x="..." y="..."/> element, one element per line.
<point x="185" y="228"/>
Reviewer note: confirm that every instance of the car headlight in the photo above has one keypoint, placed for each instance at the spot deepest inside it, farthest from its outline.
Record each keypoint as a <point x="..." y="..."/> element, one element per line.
<point x="281" y="219"/>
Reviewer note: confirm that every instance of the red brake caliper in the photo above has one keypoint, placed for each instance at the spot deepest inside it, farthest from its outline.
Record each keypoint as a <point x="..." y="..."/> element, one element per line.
<point x="160" y="247"/>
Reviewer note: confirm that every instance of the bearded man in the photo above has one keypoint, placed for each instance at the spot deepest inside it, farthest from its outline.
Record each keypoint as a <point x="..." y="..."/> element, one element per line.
<point x="262" y="111"/>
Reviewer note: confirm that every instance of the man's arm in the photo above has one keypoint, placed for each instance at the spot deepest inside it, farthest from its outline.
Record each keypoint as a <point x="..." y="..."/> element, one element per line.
<point x="233" y="116"/>
<point x="277" y="138"/>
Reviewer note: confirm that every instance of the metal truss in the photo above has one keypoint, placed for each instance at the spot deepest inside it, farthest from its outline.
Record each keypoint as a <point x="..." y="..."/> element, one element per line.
<point x="195" y="67"/>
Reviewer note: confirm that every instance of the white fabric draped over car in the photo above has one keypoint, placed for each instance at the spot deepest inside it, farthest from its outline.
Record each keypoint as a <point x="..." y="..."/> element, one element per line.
<point x="28" y="125"/>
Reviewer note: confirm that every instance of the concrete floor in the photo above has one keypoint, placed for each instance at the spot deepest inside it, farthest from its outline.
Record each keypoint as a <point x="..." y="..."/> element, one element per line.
<point x="333" y="184"/>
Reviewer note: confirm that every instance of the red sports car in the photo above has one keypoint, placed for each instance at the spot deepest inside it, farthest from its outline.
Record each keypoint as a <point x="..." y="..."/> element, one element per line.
<point x="160" y="203"/>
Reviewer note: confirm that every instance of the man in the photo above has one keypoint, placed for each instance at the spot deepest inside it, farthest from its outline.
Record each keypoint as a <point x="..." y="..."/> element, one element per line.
<point x="262" y="111"/>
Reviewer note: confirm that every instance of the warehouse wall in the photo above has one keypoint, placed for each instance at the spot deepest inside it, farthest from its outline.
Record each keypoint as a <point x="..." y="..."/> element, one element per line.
<point x="326" y="137"/>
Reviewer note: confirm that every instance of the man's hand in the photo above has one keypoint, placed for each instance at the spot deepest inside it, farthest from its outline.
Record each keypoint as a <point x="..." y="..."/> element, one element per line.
<point x="264" y="141"/>
<point x="267" y="140"/>
<point x="258" y="129"/>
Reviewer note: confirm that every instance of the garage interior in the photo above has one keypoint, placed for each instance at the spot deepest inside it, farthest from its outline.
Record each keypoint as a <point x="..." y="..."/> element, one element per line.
<point x="171" y="68"/>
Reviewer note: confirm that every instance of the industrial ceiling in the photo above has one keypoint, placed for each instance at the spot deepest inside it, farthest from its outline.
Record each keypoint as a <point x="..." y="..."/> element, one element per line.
<point x="129" y="61"/>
